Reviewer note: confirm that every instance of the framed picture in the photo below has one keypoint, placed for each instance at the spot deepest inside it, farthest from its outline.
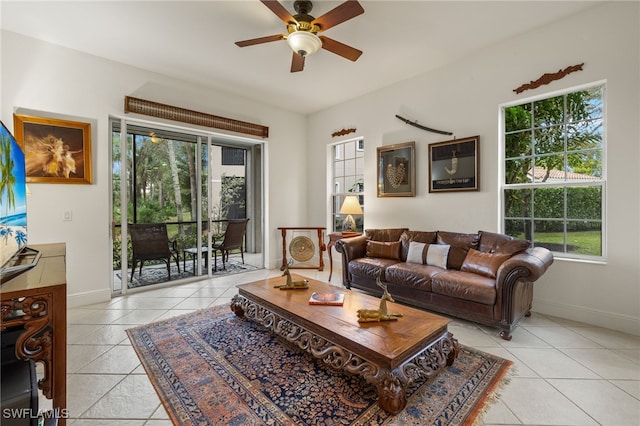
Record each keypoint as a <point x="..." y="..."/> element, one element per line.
<point x="56" y="151"/>
<point x="453" y="165"/>
<point x="397" y="170"/>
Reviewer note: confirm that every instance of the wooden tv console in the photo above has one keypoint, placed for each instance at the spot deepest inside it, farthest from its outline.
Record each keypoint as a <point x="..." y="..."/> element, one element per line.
<point x="389" y="354"/>
<point x="36" y="299"/>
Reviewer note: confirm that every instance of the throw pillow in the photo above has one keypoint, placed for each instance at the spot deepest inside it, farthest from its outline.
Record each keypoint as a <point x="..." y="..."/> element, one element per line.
<point x="437" y="255"/>
<point x="418" y="237"/>
<point x="492" y="242"/>
<point x="414" y="255"/>
<point x="460" y="245"/>
<point x="513" y="247"/>
<point x="384" y="250"/>
<point x="485" y="264"/>
<point x="384" y="234"/>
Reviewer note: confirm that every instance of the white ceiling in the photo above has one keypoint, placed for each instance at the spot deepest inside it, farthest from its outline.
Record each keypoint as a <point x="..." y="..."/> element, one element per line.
<point x="194" y="40"/>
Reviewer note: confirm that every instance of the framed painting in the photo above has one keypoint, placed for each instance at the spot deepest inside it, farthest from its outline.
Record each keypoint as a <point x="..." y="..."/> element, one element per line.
<point x="56" y="151"/>
<point x="397" y="170"/>
<point x="453" y="165"/>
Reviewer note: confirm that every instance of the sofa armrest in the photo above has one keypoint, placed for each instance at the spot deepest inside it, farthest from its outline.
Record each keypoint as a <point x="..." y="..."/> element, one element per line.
<point x="514" y="285"/>
<point x="526" y="266"/>
<point x="350" y="249"/>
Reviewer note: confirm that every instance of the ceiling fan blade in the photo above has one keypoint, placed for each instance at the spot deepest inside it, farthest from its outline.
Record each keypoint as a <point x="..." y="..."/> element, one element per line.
<point x="347" y="10"/>
<point x="260" y="40"/>
<point x="297" y="62"/>
<point x="279" y="10"/>
<point x="340" y="49"/>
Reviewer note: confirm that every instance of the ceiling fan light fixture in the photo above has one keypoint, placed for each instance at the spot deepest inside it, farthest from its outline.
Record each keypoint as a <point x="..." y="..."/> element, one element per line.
<point x="304" y="43"/>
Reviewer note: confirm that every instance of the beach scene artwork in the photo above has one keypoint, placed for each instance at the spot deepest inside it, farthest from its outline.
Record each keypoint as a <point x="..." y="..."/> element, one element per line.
<point x="13" y="197"/>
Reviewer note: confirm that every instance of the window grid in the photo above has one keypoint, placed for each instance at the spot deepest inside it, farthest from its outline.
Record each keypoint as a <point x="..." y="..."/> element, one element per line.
<point x="348" y="178"/>
<point x="564" y="189"/>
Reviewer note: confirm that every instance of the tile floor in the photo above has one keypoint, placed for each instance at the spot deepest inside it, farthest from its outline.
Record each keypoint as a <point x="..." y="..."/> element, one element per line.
<point x="566" y="373"/>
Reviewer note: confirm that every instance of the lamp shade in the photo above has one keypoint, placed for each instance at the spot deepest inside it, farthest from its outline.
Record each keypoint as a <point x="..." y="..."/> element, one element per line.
<point x="351" y="205"/>
<point x="304" y="43"/>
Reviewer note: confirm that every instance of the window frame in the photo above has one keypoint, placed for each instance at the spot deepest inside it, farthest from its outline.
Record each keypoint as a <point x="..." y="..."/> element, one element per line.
<point x="337" y="153"/>
<point x="601" y="182"/>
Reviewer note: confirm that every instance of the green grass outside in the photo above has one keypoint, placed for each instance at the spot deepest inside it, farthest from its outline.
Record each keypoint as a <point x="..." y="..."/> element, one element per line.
<point x="579" y="242"/>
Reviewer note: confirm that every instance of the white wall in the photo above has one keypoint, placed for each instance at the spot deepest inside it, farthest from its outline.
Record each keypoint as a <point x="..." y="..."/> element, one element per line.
<point x="64" y="83"/>
<point x="464" y="98"/>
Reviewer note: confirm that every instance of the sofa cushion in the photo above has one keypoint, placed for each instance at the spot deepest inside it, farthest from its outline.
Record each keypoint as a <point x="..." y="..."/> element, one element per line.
<point x="370" y="267"/>
<point x="460" y="245"/>
<point x="412" y="275"/>
<point x="386" y="234"/>
<point x="384" y="250"/>
<point x="491" y="242"/>
<point x="418" y="236"/>
<point x="437" y="255"/>
<point x="465" y="285"/>
<point x="415" y="253"/>
<point x="485" y="264"/>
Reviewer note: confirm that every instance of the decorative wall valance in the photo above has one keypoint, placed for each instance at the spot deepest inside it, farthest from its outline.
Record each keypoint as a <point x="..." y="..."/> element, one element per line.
<point x="170" y="112"/>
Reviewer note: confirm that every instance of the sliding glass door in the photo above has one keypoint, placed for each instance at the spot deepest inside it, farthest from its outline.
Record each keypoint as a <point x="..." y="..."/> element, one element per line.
<point x="187" y="183"/>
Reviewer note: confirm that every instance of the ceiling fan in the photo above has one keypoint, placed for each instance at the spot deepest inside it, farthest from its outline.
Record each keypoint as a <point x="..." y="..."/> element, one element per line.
<point x="302" y="30"/>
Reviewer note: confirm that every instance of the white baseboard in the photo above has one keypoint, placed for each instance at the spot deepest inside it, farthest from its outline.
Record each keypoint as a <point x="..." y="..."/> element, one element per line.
<point x="614" y="321"/>
<point x="88" y="298"/>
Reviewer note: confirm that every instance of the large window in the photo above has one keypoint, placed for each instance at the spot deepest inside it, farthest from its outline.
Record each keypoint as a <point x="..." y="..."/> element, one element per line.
<point x="554" y="176"/>
<point x="348" y="179"/>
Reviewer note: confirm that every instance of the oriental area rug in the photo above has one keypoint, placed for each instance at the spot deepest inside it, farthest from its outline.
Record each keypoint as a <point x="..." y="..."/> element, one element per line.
<point x="213" y="368"/>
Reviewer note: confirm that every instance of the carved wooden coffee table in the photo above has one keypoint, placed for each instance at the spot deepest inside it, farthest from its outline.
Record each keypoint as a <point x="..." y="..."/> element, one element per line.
<point x="389" y="354"/>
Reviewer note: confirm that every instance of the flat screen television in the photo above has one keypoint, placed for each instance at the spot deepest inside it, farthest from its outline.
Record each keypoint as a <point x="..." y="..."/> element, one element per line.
<point x="15" y="256"/>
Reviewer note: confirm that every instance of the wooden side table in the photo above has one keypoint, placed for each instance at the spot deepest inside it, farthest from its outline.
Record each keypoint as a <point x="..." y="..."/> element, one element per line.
<point x="333" y="237"/>
<point x="37" y="300"/>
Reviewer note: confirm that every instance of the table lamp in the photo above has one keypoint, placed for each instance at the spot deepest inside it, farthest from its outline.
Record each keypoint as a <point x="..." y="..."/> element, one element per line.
<point x="350" y="206"/>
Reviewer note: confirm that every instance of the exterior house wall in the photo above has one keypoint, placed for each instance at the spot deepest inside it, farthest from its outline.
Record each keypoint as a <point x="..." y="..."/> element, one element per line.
<point x="464" y="98"/>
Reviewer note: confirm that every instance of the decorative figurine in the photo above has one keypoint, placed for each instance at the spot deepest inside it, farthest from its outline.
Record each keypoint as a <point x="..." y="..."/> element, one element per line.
<point x="373" y="315"/>
<point x="292" y="285"/>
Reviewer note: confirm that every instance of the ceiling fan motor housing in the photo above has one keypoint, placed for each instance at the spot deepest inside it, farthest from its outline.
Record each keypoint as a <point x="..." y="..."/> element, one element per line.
<point x="302" y="26"/>
<point x="303" y="19"/>
<point x="302" y="30"/>
<point x="303" y="7"/>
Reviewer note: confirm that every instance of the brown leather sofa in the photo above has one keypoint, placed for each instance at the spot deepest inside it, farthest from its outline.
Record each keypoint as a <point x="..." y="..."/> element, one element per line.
<point x="485" y="277"/>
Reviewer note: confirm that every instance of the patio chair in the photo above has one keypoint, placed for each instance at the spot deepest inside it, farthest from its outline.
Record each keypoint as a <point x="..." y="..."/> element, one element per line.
<point x="149" y="241"/>
<point x="233" y="239"/>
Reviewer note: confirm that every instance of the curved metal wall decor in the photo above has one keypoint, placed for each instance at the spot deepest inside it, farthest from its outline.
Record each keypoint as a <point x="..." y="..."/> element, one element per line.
<point x="343" y="132"/>
<point x="548" y="78"/>
<point x="419" y="126"/>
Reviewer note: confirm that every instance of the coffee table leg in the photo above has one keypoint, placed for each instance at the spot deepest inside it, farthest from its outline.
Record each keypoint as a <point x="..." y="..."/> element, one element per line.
<point x="392" y="393"/>
<point x="236" y="306"/>
<point x="392" y="385"/>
